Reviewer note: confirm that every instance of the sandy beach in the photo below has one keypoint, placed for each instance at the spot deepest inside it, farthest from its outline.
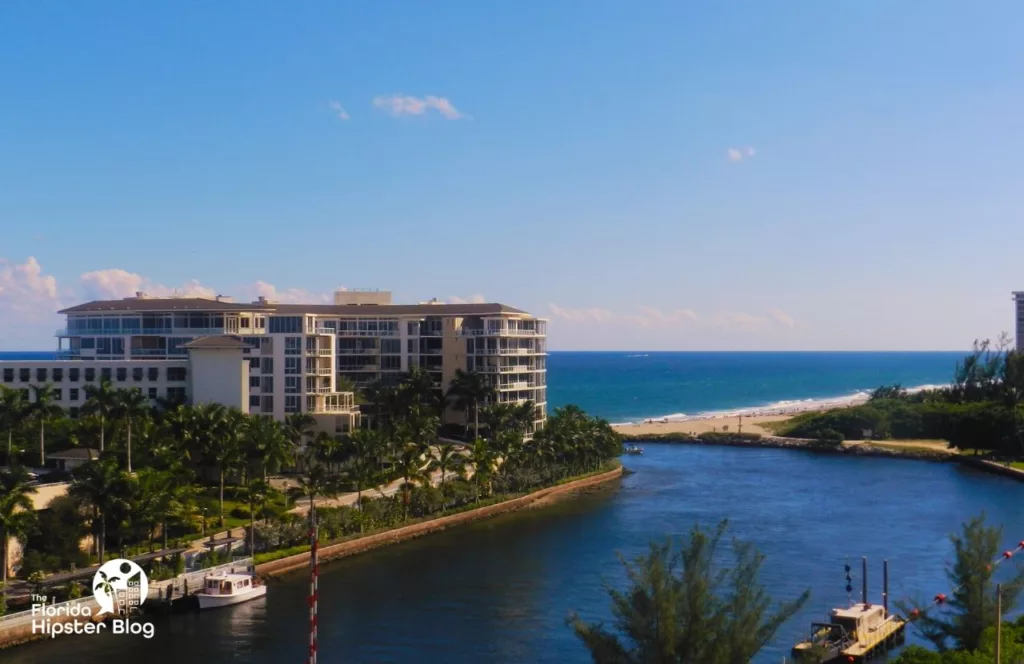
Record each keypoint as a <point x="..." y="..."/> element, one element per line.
<point x="749" y="424"/>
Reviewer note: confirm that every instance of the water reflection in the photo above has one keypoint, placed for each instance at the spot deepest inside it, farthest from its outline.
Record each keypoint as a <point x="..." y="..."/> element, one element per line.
<point x="499" y="591"/>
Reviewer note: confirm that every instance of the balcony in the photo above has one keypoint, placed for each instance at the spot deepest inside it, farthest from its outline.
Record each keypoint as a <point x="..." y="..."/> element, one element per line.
<point x="318" y="390"/>
<point x="319" y="371"/>
<point x="517" y="351"/>
<point x="475" y="332"/>
<point x="358" y="351"/>
<point x="521" y="385"/>
<point x="320" y="330"/>
<point x="148" y="352"/>
<point x="318" y="352"/>
<point x="139" y="331"/>
<point x="368" y="333"/>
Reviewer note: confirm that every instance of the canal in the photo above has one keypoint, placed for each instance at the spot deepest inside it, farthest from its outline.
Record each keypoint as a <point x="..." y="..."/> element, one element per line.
<point x="499" y="591"/>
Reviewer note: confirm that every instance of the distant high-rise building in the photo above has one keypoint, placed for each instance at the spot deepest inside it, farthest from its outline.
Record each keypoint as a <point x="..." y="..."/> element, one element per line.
<point x="1018" y="299"/>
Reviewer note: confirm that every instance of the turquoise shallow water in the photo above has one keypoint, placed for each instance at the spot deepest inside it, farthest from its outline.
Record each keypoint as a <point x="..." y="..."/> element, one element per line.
<point x="499" y="591"/>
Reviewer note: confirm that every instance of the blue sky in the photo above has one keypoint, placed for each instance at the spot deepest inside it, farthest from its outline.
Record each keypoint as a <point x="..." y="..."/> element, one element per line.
<point x="654" y="175"/>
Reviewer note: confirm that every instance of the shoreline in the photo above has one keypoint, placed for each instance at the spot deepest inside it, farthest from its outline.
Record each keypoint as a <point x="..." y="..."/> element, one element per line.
<point x="351" y="547"/>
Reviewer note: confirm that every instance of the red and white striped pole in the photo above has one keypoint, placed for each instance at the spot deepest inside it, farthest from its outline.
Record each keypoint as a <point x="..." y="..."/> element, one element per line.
<point x="313" y="573"/>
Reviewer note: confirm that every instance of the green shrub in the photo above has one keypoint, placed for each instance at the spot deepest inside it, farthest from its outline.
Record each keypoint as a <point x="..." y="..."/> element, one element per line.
<point x="830" y="437"/>
<point x="240" y="512"/>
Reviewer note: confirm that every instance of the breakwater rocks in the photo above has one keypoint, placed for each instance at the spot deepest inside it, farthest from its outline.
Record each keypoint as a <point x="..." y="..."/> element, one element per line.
<point x="402" y="533"/>
<point x="756" y="440"/>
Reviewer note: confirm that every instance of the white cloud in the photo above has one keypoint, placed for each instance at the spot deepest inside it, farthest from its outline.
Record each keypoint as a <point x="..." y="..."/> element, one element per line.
<point x="286" y="296"/>
<point x="339" y="110"/>
<point x="398" y="105"/>
<point x="739" y="154"/>
<point x="115" y="283"/>
<point x="472" y="299"/>
<point x="653" y="317"/>
<point x="25" y="292"/>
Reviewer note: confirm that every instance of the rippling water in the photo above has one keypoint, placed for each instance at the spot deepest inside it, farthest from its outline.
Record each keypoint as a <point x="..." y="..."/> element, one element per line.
<point x="499" y="591"/>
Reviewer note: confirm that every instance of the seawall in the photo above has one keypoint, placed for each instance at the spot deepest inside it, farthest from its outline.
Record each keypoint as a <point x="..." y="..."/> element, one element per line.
<point x="803" y="444"/>
<point x="403" y="533"/>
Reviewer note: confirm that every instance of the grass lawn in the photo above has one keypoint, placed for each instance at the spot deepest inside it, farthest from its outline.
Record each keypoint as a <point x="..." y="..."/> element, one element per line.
<point x="930" y="446"/>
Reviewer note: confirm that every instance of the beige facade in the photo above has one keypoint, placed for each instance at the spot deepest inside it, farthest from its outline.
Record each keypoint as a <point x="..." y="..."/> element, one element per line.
<point x="293" y="358"/>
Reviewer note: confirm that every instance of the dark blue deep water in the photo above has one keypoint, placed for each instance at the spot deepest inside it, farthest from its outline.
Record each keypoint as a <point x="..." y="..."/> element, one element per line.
<point x="499" y="591"/>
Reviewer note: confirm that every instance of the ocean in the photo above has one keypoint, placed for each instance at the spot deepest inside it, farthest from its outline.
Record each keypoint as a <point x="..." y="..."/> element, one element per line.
<point x="628" y="387"/>
<point x="633" y="386"/>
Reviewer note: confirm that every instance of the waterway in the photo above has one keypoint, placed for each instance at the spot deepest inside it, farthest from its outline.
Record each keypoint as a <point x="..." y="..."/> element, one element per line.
<point x="499" y="591"/>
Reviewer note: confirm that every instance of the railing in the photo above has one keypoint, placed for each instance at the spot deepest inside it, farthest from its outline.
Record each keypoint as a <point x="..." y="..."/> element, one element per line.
<point x="318" y="352"/>
<point x="321" y="330"/>
<point x="148" y="352"/>
<point x="320" y="371"/>
<point x="522" y="385"/>
<point x="368" y="333"/>
<point x="318" y="390"/>
<point x="159" y="331"/>
<point x="358" y="351"/>
<point x="473" y="332"/>
<point x="12" y="620"/>
<point x="195" y="579"/>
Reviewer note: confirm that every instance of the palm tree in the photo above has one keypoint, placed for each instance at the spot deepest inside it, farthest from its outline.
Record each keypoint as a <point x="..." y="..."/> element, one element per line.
<point x="101" y="400"/>
<point x="131" y="405"/>
<point x="468" y="390"/>
<point x="422" y="426"/>
<point x="17" y="512"/>
<point x="328" y="448"/>
<point x="220" y="432"/>
<point x="482" y="459"/>
<point x="317" y="483"/>
<point x="267" y="442"/>
<point x="256" y="493"/>
<point x="100" y="485"/>
<point x="13" y="413"/>
<point x="151" y="498"/>
<point x="417" y="389"/>
<point x="409" y="464"/>
<point x="43" y="410"/>
<point x="364" y="446"/>
<point x="180" y="425"/>
<point x="448" y="459"/>
<point x="297" y="427"/>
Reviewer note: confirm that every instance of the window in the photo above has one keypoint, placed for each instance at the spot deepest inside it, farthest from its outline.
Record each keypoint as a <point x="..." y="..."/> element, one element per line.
<point x="254" y="363"/>
<point x="25" y="375"/>
<point x="58" y="394"/>
<point x="285" y="325"/>
<point x="292" y="404"/>
<point x="176" y="345"/>
<point x="176" y="394"/>
<point x="176" y="374"/>
<point x="414" y="329"/>
<point x="391" y="346"/>
<point x="152" y="393"/>
<point x="292" y="384"/>
<point x="293" y="365"/>
<point x="254" y="382"/>
<point x="267" y="384"/>
<point x="74" y="375"/>
<point x="267" y="404"/>
<point x="267" y="365"/>
<point x="41" y="375"/>
<point x="391" y="363"/>
<point x="88" y="343"/>
<point x="90" y="375"/>
<point x="412" y="346"/>
<point x="245" y="321"/>
<point x="73" y="394"/>
<point x="292" y="345"/>
<point x="261" y="322"/>
<point x="254" y="401"/>
<point x="58" y="375"/>
<point x="153" y="373"/>
<point x="8" y="375"/>
<point x="105" y="373"/>
<point x="137" y="374"/>
<point x="122" y="374"/>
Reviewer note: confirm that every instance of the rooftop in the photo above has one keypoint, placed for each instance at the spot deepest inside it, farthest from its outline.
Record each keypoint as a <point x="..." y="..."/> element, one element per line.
<point x="147" y="304"/>
<point x="217" y="343"/>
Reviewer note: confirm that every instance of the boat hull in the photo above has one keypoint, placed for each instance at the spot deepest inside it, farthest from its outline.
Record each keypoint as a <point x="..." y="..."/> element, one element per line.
<point x="220" y="601"/>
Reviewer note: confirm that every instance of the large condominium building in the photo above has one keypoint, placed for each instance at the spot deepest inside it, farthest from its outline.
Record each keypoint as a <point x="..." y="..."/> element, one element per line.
<point x="1018" y="299"/>
<point x="276" y="359"/>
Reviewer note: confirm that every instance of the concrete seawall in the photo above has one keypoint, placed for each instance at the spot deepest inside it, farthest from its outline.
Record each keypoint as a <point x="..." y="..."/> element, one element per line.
<point x="992" y="467"/>
<point x="802" y="444"/>
<point x="403" y="533"/>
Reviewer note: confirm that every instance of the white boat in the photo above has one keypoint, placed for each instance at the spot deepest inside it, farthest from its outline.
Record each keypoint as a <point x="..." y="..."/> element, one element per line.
<point x="223" y="589"/>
